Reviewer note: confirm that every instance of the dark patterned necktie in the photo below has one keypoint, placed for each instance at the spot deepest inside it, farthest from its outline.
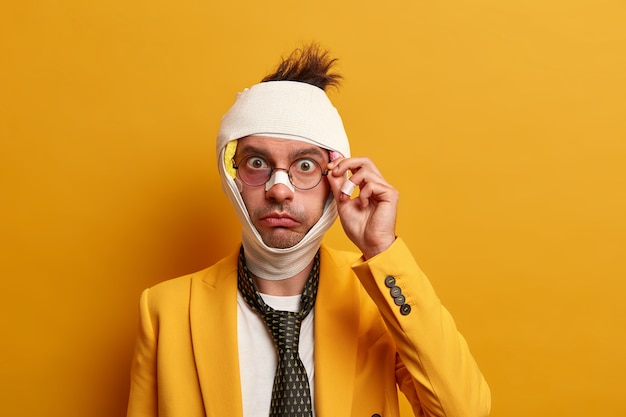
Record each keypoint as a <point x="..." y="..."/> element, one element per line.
<point x="291" y="394"/>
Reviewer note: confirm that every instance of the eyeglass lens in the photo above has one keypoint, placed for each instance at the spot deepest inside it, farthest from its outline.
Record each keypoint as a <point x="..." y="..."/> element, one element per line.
<point x="304" y="173"/>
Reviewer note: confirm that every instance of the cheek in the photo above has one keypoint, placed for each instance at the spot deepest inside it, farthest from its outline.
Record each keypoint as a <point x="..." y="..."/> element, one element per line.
<point x="249" y="196"/>
<point x="325" y="186"/>
<point x="324" y="193"/>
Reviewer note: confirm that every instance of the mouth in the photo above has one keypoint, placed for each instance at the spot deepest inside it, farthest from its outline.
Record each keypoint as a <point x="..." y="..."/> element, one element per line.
<point x="278" y="220"/>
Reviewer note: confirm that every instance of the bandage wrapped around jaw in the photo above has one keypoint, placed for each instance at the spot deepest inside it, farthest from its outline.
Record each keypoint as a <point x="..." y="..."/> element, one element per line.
<point x="286" y="110"/>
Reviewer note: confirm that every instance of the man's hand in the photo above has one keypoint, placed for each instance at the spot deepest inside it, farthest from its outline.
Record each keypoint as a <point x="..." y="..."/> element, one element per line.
<point x="369" y="219"/>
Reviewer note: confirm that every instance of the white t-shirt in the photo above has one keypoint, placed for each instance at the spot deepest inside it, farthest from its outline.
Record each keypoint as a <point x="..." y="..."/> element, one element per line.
<point x="257" y="354"/>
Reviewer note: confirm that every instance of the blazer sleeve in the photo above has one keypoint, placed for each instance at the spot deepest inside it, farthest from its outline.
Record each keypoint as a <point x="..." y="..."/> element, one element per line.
<point x="435" y="369"/>
<point x="143" y="401"/>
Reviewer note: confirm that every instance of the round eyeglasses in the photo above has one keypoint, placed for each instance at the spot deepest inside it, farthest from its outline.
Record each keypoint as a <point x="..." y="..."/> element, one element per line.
<point x="304" y="173"/>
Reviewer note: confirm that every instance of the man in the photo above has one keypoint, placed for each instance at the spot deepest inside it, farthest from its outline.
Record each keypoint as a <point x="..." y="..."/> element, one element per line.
<point x="287" y="326"/>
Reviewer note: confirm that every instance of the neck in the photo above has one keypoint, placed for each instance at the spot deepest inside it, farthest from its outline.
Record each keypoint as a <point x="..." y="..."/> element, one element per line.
<point x="285" y="287"/>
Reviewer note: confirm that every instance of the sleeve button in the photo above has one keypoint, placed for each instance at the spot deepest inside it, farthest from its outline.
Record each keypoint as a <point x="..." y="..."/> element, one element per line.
<point x="390" y="281"/>
<point x="405" y="309"/>
<point x="395" y="291"/>
<point x="399" y="300"/>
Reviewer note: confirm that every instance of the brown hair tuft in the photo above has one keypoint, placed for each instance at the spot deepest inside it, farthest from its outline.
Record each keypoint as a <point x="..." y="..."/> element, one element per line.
<point x="309" y="64"/>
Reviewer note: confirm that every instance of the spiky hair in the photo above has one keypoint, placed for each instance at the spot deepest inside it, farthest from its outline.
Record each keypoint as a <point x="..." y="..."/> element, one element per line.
<point x="309" y="64"/>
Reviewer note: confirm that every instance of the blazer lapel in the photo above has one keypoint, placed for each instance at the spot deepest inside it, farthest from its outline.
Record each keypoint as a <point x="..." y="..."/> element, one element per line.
<point x="213" y="314"/>
<point x="336" y="338"/>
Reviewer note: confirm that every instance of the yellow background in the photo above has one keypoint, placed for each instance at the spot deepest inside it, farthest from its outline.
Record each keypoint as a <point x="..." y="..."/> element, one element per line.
<point x="501" y="123"/>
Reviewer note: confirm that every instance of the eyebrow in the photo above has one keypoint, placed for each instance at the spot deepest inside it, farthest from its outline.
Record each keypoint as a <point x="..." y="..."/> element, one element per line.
<point x="310" y="151"/>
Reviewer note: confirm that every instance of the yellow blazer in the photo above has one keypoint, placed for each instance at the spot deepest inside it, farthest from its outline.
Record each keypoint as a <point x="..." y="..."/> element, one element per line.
<point x="366" y="345"/>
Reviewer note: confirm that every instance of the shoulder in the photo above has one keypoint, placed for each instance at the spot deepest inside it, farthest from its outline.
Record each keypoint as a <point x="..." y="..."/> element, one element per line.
<point x="338" y="258"/>
<point x="178" y="289"/>
<point x="336" y="269"/>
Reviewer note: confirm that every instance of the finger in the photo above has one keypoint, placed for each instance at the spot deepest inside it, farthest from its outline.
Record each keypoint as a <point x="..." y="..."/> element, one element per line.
<point x="377" y="192"/>
<point x="336" y="183"/>
<point x="342" y="165"/>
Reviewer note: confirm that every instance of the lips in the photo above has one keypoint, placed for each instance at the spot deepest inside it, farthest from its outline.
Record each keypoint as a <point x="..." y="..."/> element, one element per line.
<point x="279" y="220"/>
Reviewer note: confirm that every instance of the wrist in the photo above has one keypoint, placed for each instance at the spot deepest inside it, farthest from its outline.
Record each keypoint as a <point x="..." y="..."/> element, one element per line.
<point x="374" y="250"/>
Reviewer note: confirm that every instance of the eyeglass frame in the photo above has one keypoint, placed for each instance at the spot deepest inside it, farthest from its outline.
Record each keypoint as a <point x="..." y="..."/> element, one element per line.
<point x="323" y="173"/>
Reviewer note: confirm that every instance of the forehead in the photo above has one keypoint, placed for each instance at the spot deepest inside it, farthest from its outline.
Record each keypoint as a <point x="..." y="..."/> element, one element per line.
<point x="276" y="147"/>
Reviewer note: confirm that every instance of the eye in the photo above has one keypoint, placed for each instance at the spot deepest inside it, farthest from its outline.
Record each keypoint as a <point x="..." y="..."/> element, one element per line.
<point x="256" y="162"/>
<point x="305" y="165"/>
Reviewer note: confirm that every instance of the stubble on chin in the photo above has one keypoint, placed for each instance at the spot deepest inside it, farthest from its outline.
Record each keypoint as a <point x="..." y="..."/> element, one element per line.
<point x="282" y="242"/>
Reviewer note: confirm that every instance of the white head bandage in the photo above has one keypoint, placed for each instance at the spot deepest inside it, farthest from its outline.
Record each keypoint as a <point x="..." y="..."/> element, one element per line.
<point x="285" y="110"/>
